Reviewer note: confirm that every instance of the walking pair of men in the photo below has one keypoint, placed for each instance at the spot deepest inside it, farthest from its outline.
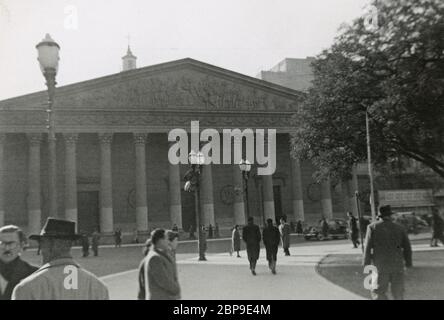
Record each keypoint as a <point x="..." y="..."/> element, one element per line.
<point x="271" y="237"/>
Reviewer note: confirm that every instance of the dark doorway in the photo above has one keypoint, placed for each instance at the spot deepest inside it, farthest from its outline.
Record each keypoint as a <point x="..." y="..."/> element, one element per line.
<point x="277" y="203"/>
<point x="188" y="210"/>
<point x="88" y="211"/>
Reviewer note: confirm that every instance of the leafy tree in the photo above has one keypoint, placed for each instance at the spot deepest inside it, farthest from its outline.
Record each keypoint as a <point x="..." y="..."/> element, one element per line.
<point x="390" y="66"/>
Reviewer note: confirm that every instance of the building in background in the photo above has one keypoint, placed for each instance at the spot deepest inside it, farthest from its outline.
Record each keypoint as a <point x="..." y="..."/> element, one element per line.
<point x="112" y="151"/>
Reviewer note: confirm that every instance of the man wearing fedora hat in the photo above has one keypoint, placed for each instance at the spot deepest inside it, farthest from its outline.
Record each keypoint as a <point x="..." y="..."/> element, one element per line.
<point x="60" y="278"/>
<point x="388" y="248"/>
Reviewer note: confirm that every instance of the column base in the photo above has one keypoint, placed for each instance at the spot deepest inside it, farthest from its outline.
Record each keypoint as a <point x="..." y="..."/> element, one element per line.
<point x="176" y="215"/>
<point x="71" y="214"/>
<point x="142" y="218"/>
<point x="269" y="210"/>
<point x="239" y="213"/>
<point x="34" y="221"/>
<point x="298" y="210"/>
<point x="106" y="220"/>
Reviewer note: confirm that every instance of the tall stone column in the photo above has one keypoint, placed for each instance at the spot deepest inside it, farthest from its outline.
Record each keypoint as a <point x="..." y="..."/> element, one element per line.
<point x="34" y="209"/>
<point x="267" y="189"/>
<point x="239" y="212"/>
<point x="206" y="195"/>
<point x="106" y="194"/>
<point x="174" y="187"/>
<point x="2" y="179"/>
<point x="297" y="191"/>
<point x="71" y="177"/>
<point x="327" y="205"/>
<point x="141" y="195"/>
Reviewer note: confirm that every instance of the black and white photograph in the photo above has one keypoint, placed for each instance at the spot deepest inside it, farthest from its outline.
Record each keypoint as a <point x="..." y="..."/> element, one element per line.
<point x="233" y="152"/>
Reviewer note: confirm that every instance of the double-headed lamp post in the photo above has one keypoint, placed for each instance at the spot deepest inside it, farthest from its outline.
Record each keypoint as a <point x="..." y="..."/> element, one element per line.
<point x="48" y="57"/>
<point x="192" y="184"/>
<point x="245" y="167"/>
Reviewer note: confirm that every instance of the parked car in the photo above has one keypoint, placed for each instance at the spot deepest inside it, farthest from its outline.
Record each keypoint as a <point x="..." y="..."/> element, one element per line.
<point x="337" y="229"/>
<point x="411" y="222"/>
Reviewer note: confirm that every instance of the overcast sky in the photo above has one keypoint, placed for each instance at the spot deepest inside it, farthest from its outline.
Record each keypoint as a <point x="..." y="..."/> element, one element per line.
<point x="245" y="36"/>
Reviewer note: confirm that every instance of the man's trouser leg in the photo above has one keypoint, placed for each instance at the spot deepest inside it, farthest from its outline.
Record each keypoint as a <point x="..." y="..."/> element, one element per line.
<point x="382" y="286"/>
<point x="397" y="285"/>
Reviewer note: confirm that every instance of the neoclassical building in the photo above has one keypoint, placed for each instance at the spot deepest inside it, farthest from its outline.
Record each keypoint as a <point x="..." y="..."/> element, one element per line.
<point x="112" y="152"/>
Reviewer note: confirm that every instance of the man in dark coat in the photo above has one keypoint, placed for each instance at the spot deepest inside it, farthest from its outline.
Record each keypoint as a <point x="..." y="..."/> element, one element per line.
<point x="251" y="235"/>
<point x="387" y="247"/>
<point x="324" y="227"/>
<point x="12" y="268"/>
<point x="437" y="229"/>
<point x="95" y="242"/>
<point x="284" y="229"/>
<point x="271" y="237"/>
<point x="353" y="229"/>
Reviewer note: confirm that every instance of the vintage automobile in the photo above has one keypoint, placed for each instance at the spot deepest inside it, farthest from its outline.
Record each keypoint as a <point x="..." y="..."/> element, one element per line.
<point x="411" y="222"/>
<point x="337" y="229"/>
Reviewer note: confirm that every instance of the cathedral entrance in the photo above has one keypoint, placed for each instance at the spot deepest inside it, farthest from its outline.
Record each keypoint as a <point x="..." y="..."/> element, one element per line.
<point x="88" y="211"/>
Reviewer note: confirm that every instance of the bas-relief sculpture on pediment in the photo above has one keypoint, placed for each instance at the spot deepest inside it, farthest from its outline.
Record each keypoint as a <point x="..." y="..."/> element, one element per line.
<point x="191" y="90"/>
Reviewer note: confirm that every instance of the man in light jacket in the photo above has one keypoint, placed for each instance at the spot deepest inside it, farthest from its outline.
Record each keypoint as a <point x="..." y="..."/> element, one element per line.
<point x="157" y="272"/>
<point x="60" y="278"/>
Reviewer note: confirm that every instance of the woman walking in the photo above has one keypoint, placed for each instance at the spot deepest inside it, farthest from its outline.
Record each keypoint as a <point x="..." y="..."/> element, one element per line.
<point x="236" y="240"/>
<point x="157" y="271"/>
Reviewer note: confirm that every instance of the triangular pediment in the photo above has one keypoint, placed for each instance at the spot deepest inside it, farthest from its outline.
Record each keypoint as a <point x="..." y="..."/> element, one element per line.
<point x="184" y="84"/>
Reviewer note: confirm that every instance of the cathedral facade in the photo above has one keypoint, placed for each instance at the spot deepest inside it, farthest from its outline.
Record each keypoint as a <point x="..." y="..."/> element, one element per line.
<point x="112" y="152"/>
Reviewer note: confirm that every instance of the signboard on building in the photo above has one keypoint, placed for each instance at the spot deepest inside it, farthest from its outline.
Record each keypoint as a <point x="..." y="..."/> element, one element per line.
<point x="414" y="199"/>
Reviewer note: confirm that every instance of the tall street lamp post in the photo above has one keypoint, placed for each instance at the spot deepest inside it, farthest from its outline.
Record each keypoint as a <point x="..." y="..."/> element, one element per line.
<point x="192" y="184"/>
<point x="245" y="167"/>
<point x="370" y="169"/>
<point x="48" y="57"/>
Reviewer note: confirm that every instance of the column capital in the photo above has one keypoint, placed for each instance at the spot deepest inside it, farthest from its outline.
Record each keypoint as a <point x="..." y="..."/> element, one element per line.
<point x="105" y="138"/>
<point x="140" y="138"/>
<point x="71" y="138"/>
<point x="34" y="138"/>
<point x="2" y="138"/>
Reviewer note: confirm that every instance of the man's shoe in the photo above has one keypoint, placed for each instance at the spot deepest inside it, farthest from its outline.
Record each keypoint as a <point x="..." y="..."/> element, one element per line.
<point x="273" y="271"/>
<point x="253" y="272"/>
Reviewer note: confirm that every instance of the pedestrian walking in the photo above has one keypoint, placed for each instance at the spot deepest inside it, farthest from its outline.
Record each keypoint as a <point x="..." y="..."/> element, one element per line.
<point x="12" y="268"/>
<point x="95" y="242"/>
<point x="324" y="227"/>
<point x="299" y="229"/>
<point x="50" y="281"/>
<point x="191" y="230"/>
<point x="437" y="228"/>
<point x="135" y="236"/>
<point x="251" y="235"/>
<point x="284" y="229"/>
<point x="388" y="248"/>
<point x="271" y="237"/>
<point x="236" y="240"/>
<point x="118" y="238"/>
<point x="210" y="231"/>
<point x="85" y="245"/>
<point x="353" y="229"/>
<point x="157" y="271"/>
